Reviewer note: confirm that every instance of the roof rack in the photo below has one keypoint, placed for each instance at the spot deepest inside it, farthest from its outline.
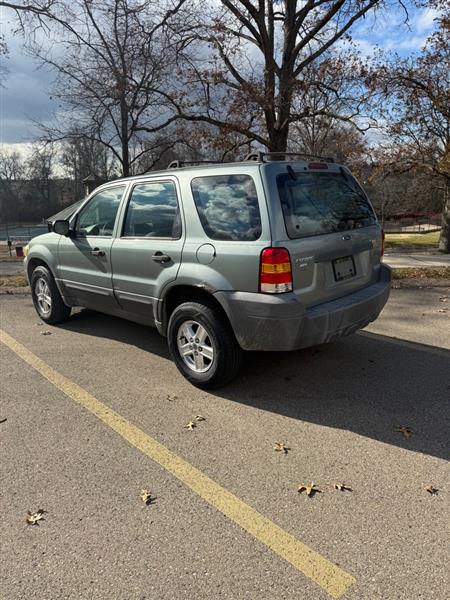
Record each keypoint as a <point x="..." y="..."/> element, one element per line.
<point x="178" y="164"/>
<point x="267" y="156"/>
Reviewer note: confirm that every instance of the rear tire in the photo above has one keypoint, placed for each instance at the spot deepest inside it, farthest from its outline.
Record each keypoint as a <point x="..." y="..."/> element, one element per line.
<point x="203" y="346"/>
<point x="46" y="297"/>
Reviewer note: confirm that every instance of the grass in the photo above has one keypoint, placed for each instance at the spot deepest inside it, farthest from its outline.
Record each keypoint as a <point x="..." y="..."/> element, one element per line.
<point x="14" y="281"/>
<point x="422" y="273"/>
<point x="413" y="240"/>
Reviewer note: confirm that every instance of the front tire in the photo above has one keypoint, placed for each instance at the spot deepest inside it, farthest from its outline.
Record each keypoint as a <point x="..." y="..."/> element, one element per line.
<point x="46" y="297"/>
<point x="203" y="346"/>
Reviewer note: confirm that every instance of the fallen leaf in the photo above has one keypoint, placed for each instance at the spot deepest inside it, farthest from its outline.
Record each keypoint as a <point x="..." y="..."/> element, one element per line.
<point x="431" y="490"/>
<point x="309" y="489"/>
<point x="200" y="418"/>
<point x="443" y="299"/>
<point x="342" y="487"/>
<point x="407" y="431"/>
<point x="190" y="425"/>
<point x="171" y="397"/>
<point x="443" y="310"/>
<point x="146" y="497"/>
<point x="33" y="518"/>
<point x="46" y="333"/>
<point x="280" y="447"/>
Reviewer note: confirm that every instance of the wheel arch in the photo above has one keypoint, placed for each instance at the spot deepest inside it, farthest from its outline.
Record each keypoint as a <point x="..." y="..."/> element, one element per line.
<point x="178" y="294"/>
<point x="34" y="262"/>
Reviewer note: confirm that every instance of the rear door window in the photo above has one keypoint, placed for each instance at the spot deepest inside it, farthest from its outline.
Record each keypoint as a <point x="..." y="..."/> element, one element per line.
<point x="153" y="211"/>
<point x="318" y="203"/>
<point x="228" y="207"/>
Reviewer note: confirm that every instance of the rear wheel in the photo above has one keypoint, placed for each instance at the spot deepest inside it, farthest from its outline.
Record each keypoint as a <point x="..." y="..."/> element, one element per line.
<point x="46" y="297"/>
<point x="203" y="345"/>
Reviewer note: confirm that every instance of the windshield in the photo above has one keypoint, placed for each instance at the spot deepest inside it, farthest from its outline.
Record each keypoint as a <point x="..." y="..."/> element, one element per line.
<point x="318" y="203"/>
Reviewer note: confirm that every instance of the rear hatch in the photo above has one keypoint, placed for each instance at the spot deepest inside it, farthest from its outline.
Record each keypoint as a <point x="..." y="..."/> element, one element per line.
<point x="326" y="222"/>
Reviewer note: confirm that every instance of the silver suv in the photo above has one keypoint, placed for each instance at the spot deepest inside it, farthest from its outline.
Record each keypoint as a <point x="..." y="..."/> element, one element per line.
<point x="273" y="253"/>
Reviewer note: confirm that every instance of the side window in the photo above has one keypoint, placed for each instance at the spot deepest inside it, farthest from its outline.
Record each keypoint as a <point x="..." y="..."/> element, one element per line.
<point x="153" y="211"/>
<point x="228" y="207"/>
<point x="99" y="214"/>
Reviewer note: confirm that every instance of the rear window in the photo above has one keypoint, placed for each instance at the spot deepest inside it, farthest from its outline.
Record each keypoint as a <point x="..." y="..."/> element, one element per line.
<point x="318" y="203"/>
<point x="228" y="207"/>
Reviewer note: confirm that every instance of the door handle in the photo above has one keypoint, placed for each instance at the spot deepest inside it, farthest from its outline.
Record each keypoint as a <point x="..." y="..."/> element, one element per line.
<point x="97" y="252"/>
<point x="161" y="258"/>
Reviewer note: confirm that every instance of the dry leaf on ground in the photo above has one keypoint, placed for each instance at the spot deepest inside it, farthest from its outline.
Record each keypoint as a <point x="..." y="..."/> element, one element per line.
<point x="171" y="397"/>
<point x="309" y="488"/>
<point x="33" y="518"/>
<point x="342" y="487"/>
<point x="200" y="418"/>
<point x="280" y="447"/>
<point x="443" y="299"/>
<point x="431" y="490"/>
<point x="190" y="425"/>
<point x="46" y="333"/>
<point x="406" y="431"/>
<point x="146" y="497"/>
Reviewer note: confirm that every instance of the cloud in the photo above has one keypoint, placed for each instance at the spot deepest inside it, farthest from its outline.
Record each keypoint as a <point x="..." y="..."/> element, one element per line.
<point x="424" y="21"/>
<point x="25" y="96"/>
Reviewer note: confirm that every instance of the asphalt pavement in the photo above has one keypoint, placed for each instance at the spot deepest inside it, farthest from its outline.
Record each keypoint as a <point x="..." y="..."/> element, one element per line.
<point x="89" y="405"/>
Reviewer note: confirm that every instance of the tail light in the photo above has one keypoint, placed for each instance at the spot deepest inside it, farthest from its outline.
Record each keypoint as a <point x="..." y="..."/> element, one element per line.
<point x="276" y="273"/>
<point x="382" y="241"/>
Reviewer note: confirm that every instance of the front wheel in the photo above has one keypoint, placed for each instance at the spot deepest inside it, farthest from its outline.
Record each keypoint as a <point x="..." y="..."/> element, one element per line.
<point x="46" y="297"/>
<point x="203" y="345"/>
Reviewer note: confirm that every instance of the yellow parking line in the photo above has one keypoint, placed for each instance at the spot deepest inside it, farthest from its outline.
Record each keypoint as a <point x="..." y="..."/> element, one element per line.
<point x="329" y="576"/>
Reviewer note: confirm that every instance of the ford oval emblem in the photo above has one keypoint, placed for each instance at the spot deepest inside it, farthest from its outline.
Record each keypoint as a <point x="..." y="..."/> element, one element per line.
<point x="346" y="237"/>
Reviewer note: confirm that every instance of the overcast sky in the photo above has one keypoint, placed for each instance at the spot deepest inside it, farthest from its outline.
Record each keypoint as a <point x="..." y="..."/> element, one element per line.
<point x="25" y="96"/>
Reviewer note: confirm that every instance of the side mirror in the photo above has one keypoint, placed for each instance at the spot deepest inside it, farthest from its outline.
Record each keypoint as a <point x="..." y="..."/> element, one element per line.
<point x="61" y="228"/>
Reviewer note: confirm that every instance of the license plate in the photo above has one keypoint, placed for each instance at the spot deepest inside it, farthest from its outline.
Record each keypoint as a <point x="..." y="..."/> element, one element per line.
<point x="344" y="268"/>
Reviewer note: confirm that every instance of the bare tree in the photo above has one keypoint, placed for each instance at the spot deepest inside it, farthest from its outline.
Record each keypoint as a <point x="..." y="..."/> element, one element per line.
<point x="259" y="56"/>
<point x="81" y="157"/>
<point x="40" y="8"/>
<point x="109" y="72"/>
<point x="418" y="110"/>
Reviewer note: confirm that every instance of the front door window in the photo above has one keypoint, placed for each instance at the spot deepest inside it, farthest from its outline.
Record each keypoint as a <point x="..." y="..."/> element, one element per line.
<point x="97" y="218"/>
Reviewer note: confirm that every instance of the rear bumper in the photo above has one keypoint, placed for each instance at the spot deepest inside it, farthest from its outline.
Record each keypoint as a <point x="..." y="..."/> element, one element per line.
<point x="265" y="322"/>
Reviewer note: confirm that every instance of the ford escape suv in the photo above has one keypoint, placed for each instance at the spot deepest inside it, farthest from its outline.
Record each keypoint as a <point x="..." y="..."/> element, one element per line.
<point x="272" y="253"/>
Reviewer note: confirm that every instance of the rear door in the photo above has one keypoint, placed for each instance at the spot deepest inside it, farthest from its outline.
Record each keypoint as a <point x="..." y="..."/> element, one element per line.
<point x="333" y="235"/>
<point x="146" y="254"/>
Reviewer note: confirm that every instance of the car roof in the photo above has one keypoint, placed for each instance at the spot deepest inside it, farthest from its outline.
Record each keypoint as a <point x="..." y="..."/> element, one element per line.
<point x="210" y="165"/>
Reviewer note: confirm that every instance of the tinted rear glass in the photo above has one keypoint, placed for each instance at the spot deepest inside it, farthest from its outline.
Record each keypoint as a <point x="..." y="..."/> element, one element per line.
<point x="228" y="207"/>
<point x="318" y="203"/>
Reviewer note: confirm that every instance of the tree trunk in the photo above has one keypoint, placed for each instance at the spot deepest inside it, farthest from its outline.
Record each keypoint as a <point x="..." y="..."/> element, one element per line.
<point x="444" y="238"/>
<point x="124" y="136"/>
<point x="279" y="139"/>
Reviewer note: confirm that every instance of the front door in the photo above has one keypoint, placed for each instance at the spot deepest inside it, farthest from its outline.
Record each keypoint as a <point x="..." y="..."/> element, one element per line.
<point x="146" y="254"/>
<point x="85" y="258"/>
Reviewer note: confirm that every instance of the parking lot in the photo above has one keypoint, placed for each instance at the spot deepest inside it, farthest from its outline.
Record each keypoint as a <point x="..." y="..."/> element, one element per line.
<point x="96" y="412"/>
